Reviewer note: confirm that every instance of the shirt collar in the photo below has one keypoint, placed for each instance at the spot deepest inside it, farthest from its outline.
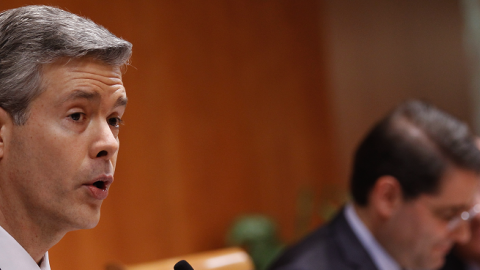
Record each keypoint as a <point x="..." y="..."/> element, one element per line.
<point x="14" y="256"/>
<point x="379" y="255"/>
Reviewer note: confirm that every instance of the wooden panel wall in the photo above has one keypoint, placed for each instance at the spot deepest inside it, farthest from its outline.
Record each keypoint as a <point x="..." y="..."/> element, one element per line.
<point x="384" y="52"/>
<point x="228" y="114"/>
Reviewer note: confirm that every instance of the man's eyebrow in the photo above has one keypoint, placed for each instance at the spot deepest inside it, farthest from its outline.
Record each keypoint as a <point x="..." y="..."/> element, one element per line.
<point x="455" y="208"/>
<point x="82" y="94"/>
<point x="121" y="101"/>
<point x="90" y="95"/>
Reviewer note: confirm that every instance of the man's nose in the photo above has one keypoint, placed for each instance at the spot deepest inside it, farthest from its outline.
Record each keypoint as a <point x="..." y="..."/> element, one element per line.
<point x="104" y="144"/>
<point x="462" y="233"/>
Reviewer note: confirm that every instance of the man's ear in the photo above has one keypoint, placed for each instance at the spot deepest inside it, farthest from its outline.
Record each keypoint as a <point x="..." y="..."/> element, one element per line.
<point x="386" y="196"/>
<point x="5" y="123"/>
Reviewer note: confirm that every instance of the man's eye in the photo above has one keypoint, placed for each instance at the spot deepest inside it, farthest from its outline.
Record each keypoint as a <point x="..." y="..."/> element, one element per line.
<point x="76" y="116"/>
<point x="115" y="122"/>
<point x="448" y="216"/>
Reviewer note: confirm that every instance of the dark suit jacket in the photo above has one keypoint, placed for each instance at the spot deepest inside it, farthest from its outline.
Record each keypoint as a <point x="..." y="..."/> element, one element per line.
<point x="331" y="247"/>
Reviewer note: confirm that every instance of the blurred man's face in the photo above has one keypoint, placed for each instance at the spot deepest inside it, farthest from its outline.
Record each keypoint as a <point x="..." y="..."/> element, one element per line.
<point x="57" y="168"/>
<point x="421" y="235"/>
<point x="470" y="251"/>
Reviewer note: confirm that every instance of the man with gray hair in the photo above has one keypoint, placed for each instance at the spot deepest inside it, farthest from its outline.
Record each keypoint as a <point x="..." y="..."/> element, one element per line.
<point x="61" y="104"/>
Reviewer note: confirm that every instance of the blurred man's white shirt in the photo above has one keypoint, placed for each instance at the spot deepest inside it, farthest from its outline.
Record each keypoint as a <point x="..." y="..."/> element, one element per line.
<point x="473" y="266"/>
<point x="379" y="255"/>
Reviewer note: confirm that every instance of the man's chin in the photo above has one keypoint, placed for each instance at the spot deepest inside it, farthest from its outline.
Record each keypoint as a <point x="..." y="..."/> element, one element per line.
<point x="93" y="222"/>
<point x="87" y="221"/>
<point x="435" y="263"/>
<point x="91" y="225"/>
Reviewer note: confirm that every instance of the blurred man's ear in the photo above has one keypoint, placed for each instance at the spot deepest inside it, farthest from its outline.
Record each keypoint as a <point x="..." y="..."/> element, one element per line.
<point x="386" y="196"/>
<point x="5" y="120"/>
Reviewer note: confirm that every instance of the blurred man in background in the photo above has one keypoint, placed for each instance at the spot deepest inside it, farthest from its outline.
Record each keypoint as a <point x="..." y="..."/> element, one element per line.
<point x="61" y="104"/>
<point x="414" y="178"/>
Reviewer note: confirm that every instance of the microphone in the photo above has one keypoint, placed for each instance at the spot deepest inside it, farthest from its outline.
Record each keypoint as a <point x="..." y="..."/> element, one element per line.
<point x="182" y="265"/>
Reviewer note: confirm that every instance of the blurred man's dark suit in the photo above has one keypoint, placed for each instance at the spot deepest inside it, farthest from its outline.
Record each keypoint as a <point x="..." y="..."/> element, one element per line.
<point x="331" y="247"/>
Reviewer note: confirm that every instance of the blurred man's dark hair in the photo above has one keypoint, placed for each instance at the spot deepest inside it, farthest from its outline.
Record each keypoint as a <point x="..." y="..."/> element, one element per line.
<point x="415" y="143"/>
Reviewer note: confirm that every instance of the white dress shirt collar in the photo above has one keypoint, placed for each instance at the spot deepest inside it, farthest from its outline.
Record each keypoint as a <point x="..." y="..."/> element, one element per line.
<point x="13" y="256"/>
<point x="379" y="255"/>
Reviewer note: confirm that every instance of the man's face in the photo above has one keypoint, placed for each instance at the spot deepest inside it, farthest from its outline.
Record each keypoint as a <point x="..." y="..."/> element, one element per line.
<point x="56" y="169"/>
<point x="420" y="235"/>
<point x="470" y="251"/>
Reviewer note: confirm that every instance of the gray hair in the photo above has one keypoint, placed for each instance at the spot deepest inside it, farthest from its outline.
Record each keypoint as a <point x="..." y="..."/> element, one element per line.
<point x="33" y="36"/>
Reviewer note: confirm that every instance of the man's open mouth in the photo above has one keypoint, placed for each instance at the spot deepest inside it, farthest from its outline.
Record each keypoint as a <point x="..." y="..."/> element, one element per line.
<point x="100" y="185"/>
